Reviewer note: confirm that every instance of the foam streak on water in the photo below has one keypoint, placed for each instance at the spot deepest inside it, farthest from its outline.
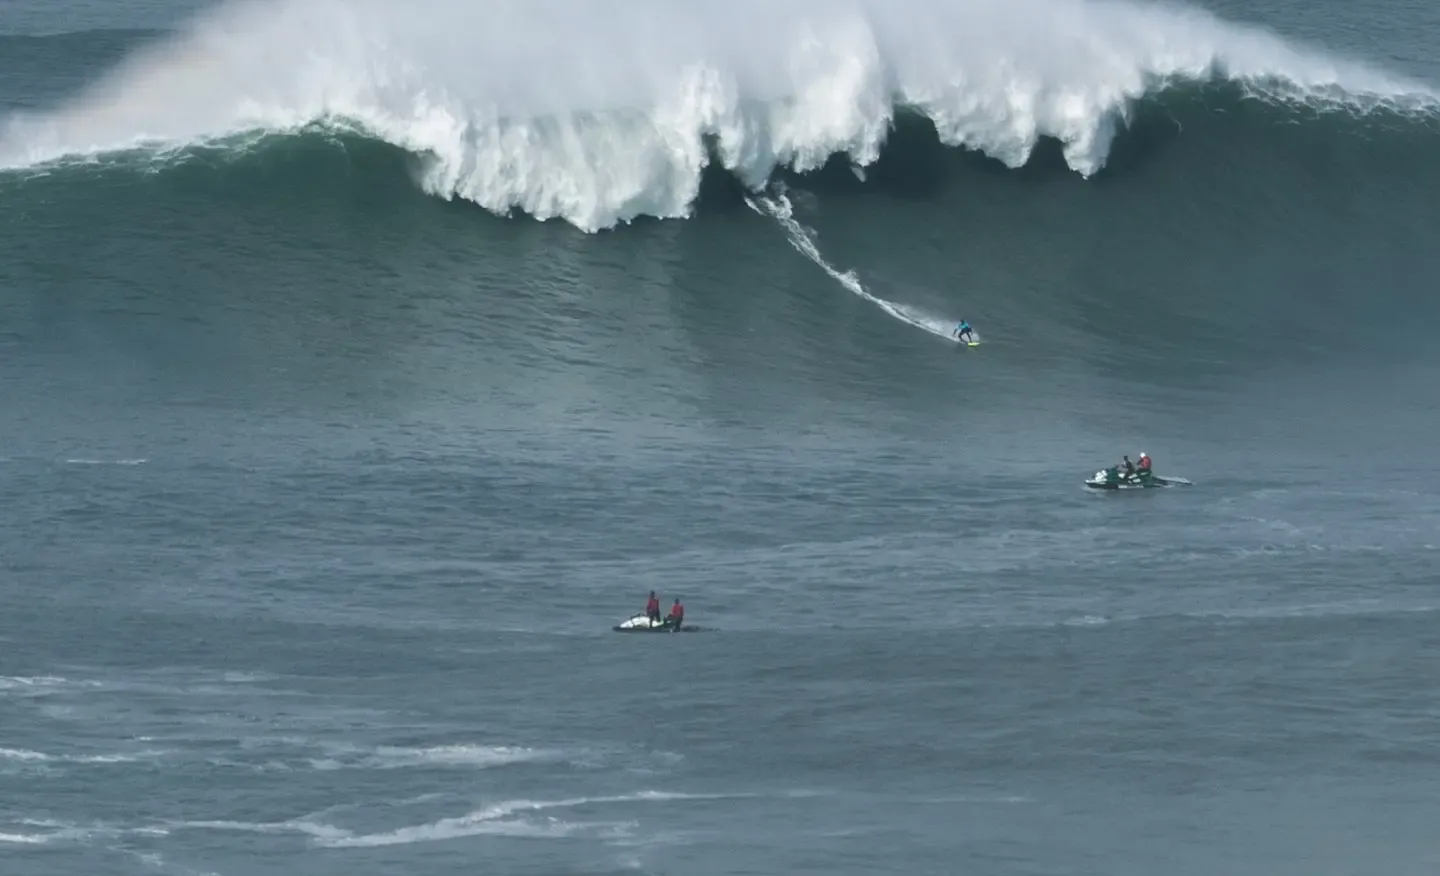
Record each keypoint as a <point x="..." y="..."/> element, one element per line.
<point x="778" y="207"/>
<point x="598" y="113"/>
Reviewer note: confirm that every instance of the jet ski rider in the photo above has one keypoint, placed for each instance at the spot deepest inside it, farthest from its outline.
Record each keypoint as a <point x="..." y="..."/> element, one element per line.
<point x="1129" y="468"/>
<point x="677" y="616"/>
<point x="1144" y="463"/>
<point x="652" y="608"/>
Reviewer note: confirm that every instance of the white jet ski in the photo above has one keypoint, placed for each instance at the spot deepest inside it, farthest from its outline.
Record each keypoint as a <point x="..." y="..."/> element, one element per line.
<point x="640" y="623"/>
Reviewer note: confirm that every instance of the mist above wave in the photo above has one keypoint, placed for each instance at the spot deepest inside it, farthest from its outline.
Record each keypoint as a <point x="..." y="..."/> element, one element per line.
<point x="600" y="112"/>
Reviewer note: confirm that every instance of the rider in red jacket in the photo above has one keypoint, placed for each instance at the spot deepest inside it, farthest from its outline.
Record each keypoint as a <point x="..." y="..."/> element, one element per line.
<point x="677" y="615"/>
<point x="652" y="607"/>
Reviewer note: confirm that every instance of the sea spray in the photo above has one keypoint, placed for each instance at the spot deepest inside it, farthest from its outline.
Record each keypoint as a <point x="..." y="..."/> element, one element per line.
<point x="600" y="113"/>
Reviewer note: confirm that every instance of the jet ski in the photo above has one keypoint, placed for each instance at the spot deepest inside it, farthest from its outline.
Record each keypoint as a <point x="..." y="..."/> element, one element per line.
<point x="1112" y="479"/>
<point x="641" y="623"/>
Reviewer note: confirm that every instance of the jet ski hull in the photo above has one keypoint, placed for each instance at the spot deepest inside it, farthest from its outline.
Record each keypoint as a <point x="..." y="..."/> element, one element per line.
<point x="643" y="624"/>
<point x="1103" y="480"/>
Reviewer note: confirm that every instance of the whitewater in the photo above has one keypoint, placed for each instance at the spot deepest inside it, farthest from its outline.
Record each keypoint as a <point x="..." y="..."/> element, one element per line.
<point x="600" y="113"/>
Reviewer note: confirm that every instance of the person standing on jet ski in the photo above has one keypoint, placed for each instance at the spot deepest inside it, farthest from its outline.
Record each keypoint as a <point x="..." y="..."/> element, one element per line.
<point x="652" y="608"/>
<point x="677" y="616"/>
<point x="963" y="331"/>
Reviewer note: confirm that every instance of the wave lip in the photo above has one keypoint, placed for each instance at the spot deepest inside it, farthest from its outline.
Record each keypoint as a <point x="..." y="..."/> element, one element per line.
<point x="601" y="114"/>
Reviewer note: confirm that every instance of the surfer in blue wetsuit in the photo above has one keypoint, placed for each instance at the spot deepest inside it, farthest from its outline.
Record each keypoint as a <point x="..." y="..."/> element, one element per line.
<point x="963" y="331"/>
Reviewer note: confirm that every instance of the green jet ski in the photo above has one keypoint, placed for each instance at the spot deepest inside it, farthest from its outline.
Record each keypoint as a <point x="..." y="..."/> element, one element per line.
<point x="1111" y="479"/>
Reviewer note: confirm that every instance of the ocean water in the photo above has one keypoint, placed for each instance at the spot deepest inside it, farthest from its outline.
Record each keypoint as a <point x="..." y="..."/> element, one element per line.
<point x="364" y="364"/>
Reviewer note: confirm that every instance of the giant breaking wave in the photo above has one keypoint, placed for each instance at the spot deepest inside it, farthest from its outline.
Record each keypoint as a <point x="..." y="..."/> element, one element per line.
<point x="601" y="112"/>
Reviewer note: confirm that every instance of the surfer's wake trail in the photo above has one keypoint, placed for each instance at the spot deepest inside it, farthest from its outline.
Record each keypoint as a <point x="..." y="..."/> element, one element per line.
<point x="778" y="207"/>
<point x="599" y="113"/>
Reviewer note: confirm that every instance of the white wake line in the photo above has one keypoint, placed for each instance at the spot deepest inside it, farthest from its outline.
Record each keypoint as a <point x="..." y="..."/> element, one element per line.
<point x="780" y="209"/>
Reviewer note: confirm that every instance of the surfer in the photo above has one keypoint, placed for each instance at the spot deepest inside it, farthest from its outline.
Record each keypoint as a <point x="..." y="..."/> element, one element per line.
<point x="964" y="332"/>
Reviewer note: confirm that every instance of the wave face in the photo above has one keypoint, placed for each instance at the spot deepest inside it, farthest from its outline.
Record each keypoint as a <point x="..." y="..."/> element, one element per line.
<point x="601" y="113"/>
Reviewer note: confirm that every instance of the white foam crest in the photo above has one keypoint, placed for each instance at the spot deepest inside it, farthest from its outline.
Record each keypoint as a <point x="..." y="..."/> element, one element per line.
<point x="74" y="833"/>
<point x="21" y="754"/>
<point x="89" y="461"/>
<point x="27" y="756"/>
<point x="779" y="208"/>
<point x="40" y="682"/>
<point x="500" y="818"/>
<point x="505" y="818"/>
<point x="598" y="112"/>
<point x="318" y="831"/>
<point x="458" y="828"/>
<point x="396" y="757"/>
<point x="25" y="838"/>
